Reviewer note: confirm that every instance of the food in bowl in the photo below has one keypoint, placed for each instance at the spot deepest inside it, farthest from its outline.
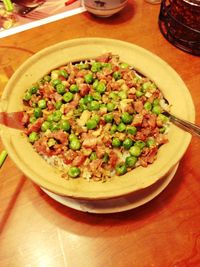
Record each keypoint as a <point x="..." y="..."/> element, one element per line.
<point x="96" y="118"/>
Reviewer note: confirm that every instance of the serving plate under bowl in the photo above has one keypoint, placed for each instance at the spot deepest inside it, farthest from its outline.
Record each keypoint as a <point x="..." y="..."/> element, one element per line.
<point x="46" y="176"/>
<point x="118" y="204"/>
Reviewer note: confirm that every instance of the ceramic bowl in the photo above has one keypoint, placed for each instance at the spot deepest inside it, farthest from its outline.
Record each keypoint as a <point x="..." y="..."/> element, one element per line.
<point x="46" y="176"/>
<point x="104" y="8"/>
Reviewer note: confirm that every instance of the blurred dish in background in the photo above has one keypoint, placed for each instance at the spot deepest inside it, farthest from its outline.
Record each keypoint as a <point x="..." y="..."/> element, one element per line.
<point x="179" y="22"/>
<point x="104" y="8"/>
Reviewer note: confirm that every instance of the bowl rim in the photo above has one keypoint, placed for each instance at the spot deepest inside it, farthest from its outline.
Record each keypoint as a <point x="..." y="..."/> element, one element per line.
<point x="103" y="44"/>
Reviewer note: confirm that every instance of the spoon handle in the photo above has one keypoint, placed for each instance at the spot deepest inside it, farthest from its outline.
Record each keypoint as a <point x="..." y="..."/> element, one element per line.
<point x="185" y="125"/>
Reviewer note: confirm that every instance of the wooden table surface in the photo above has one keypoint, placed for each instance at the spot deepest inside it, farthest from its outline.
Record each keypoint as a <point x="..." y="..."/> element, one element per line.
<point x="36" y="231"/>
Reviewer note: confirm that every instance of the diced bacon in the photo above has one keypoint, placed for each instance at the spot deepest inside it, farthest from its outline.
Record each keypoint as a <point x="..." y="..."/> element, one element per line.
<point x="137" y="120"/>
<point x="25" y="119"/>
<point x="42" y="147"/>
<point x="152" y="121"/>
<point x="57" y="97"/>
<point x="104" y="58"/>
<point x="100" y="151"/>
<point x="35" y="127"/>
<point x="90" y="142"/>
<point x="79" y="160"/>
<point x="60" y="136"/>
<point x="138" y="106"/>
<point x="107" y="140"/>
<point x="113" y="158"/>
<point x="117" y="117"/>
<point x="50" y="105"/>
<point x="84" y="89"/>
<point x="95" y="165"/>
<point x="72" y="105"/>
<point x="69" y="156"/>
<point x="150" y="155"/>
<point x="161" y="139"/>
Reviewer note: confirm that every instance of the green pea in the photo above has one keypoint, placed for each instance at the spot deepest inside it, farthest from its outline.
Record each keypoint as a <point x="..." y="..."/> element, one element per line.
<point x="55" y="82"/>
<point x="47" y="78"/>
<point x="94" y="105"/>
<point x="74" y="172"/>
<point x="131" y="161"/>
<point x="65" y="125"/>
<point x="93" y="156"/>
<point x="135" y="151"/>
<point x="117" y="75"/>
<point x="113" y="129"/>
<point x="96" y="96"/>
<point x="102" y="105"/>
<point x="116" y="142"/>
<point x="163" y="118"/>
<point x="63" y="73"/>
<point x="95" y="84"/>
<point x="124" y="65"/>
<point x="50" y="118"/>
<point x="121" y="127"/>
<point x="32" y="119"/>
<point x="27" y="96"/>
<point x="131" y="129"/>
<point x="56" y="115"/>
<point x="148" y="106"/>
<point x="127" y="143"/>
<point x="157" y="109"/>
<point x="96" y="117"/>
<point x="101" y="87"/>
<point x="113" y="96"/>
<point x="45" y="126"/>
<point x="96" y="66"/>
<point x="110" y="106"/>
<point x="67" y="97"/>
<point x="139" y="93"/>
<point x="82" y="66"/>
<point x="122" y="95"/>
<point x="141" y="144"/>
<point x="88" y="78"/>
<point x="54" y="127"/>
<point x="33" y="105"/>
<point x="34" y="89"/>
<point x="72" y="137"/>
<point x="91" y="124"/>
<point x="107" y="65"/>
<point x="150" y="142"/>
<point x="73" y="88"/>
<point x="33" y="137"/>
<point x="51" y="142"/>
<point x="75" y="144"/>
<point x="108" y="117"/>
<point x="121" y="169"/>
<point x="145" y="86"/>
<point x="58" y="104"/>
<point x="37" y="112"/>
<point x="60" y="88"/>
<point x="42" y="103"/>
<point x="156" y="102"/>
<point x="126" y="118"/>
<point x="87" y="99"/>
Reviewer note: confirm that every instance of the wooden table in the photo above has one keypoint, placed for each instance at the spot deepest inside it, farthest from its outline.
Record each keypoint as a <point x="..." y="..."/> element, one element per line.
<point x="36" y="231"/>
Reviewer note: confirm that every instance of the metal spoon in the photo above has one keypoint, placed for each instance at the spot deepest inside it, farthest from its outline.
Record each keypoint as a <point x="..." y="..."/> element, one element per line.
<point x="185" y="125"/>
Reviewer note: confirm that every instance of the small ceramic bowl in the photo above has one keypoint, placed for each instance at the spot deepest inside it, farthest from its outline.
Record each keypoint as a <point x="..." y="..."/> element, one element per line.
<point x="48" y="177"/>
<point x="104" y="8"/>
